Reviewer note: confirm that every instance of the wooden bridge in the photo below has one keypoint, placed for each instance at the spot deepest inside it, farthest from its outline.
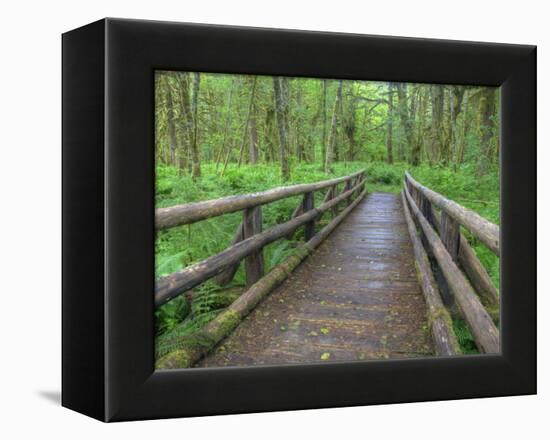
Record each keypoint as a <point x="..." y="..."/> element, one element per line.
<point x="381" y="280"/>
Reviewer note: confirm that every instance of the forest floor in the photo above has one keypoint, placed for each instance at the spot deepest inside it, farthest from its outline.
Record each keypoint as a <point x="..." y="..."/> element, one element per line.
<point x="179" y="247"/>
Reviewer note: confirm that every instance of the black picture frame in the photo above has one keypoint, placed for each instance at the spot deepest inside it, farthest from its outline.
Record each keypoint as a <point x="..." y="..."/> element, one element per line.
<point x="108" y="219"/>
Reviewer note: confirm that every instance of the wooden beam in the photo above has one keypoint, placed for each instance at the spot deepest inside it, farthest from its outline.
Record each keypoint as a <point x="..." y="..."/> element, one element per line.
<point x="194" y="212"/>
<point x="486" y="335"/>
<point x="449" y="232"/>
<point x="481" y="228"/>
<point x="254" y="262"/>
<point x="440" y="321"/>
<point x="227" y="275"/>
<point x="476" y="273"/>
<point x="308" y="204"/>
<point x="478" y="276"/>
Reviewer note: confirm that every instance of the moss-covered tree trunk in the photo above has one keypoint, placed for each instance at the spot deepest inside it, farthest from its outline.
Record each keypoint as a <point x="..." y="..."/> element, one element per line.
<point x="389" y="125"/>
<point x="254" y="151"/>
<point x="185" y="121"/>
<point x="436" y="138"/>
<point x="195" y="157"/>
<point x="420" y="132"/>
<point x="324" y="117"/>
<point x="247" y="120"/>
<point x="486" y="128"/>
<point x="270" y="134"/>
<point x="228" y="118"/>
<point x="457" y="96"/>
<point x="171" y="124"/>
<point x="406" y="123"/>
<point x="280" y="110"/>
<point x="333" y="130"/>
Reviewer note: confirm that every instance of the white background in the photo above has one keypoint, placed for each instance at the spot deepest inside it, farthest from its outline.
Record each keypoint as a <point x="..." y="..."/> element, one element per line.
<point x="30" y="234"/>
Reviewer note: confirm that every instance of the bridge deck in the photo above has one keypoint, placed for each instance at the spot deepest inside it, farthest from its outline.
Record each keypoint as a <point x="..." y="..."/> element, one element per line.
<point x="357" y="297"/>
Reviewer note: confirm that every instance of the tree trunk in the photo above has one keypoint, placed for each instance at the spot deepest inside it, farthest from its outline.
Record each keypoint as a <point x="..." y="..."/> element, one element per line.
<point x="280" y="109"/>
<point x="419" y="144"/>
<point x="247" y="123"/>
<point x="227" y="125"/>
<point x="324" y="116"/>
<point x="349" y="129"/>
<point x="486" y="128"/>
<point x="186" y="120"/>
<point x="254" y="153"/>
<point x="389" y="124"/>
<point x="457" y="95"/>
<point x="465" y="131"/>
<point x="332" y="134"/>
<point x="404" y="116"/>
<point x="171" y="125"/>
<point x="270" y="135"/>
<point x="437" y="123"/>
<point x="195" y="158"/>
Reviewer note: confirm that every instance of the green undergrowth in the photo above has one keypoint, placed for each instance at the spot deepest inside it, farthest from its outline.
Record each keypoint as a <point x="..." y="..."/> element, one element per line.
<point x="182" y="246"/>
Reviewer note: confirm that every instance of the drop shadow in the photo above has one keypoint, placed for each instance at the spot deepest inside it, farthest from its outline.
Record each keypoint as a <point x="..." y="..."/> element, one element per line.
<point x="52" y="396"/>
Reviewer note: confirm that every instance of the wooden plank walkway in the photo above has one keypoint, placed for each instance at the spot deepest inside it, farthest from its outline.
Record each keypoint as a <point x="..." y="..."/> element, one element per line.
<point x="357" y="297"/>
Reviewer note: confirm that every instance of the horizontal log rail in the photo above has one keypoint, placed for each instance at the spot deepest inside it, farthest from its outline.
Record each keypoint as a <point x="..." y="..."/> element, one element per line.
<point x="193" y="212"/>
<point x="439" y="318"/>
<point x="457" y="262"/>
<point x="250" y="241"/>
<point x="484" y="230"/>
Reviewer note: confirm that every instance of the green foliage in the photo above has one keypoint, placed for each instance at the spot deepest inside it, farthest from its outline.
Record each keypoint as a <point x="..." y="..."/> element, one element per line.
<point x="171" y="314"/>
<point x="464" y="337"/>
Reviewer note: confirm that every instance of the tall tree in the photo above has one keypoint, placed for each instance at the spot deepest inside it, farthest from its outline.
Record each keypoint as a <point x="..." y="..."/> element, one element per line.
<point x="270" y="133"/>
<point x="406" y="123"/>
<point x="185" y="120"/>
<point x="254" y="151"/>
<point x="455" y="107"/>
<point x="171" y="122"/>
<point x="280" y="111"/>
<point x="333" y="130"/>
<point x="421" y="125"/>
<point x="487" y="102"/>
<point x="389" y="124"/>
<point x="437" y="140"/>
<point x="324" y="117"/>
<point x="228" y="115"/>
<point x="349" y="125"/>
<point x="247" y="121"/>
<point x="195" y="157"/>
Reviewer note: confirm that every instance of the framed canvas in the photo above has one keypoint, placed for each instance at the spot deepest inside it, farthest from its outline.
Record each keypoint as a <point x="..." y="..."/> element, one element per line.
<point x="387" y="250"/>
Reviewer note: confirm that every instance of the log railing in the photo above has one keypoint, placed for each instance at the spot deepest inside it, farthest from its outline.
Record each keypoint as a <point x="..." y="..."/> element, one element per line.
<point x="248" y="244"/>
<point x="438" y="234"/>
<point x="249" y="239"/>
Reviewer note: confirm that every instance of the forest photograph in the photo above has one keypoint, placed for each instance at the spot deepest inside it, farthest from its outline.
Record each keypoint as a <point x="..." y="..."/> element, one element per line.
<point x="314" y="220"/>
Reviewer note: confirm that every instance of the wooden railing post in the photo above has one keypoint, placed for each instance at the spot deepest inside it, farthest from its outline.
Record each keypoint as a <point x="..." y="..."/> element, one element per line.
<point x="450" y="234"/>
<point x="425" y="206"/>
<point x="308" y="204"/>
<point x="360" y="178"/>
<point x="347" y="188"/>
<point x="227" y="275"/>
<point x="334" y="193"/>
<point x="253" y="263"/>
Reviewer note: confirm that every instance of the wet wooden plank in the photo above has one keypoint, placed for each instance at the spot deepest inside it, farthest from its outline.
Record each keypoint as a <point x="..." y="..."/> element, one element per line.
<point x="356" y="298"/>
